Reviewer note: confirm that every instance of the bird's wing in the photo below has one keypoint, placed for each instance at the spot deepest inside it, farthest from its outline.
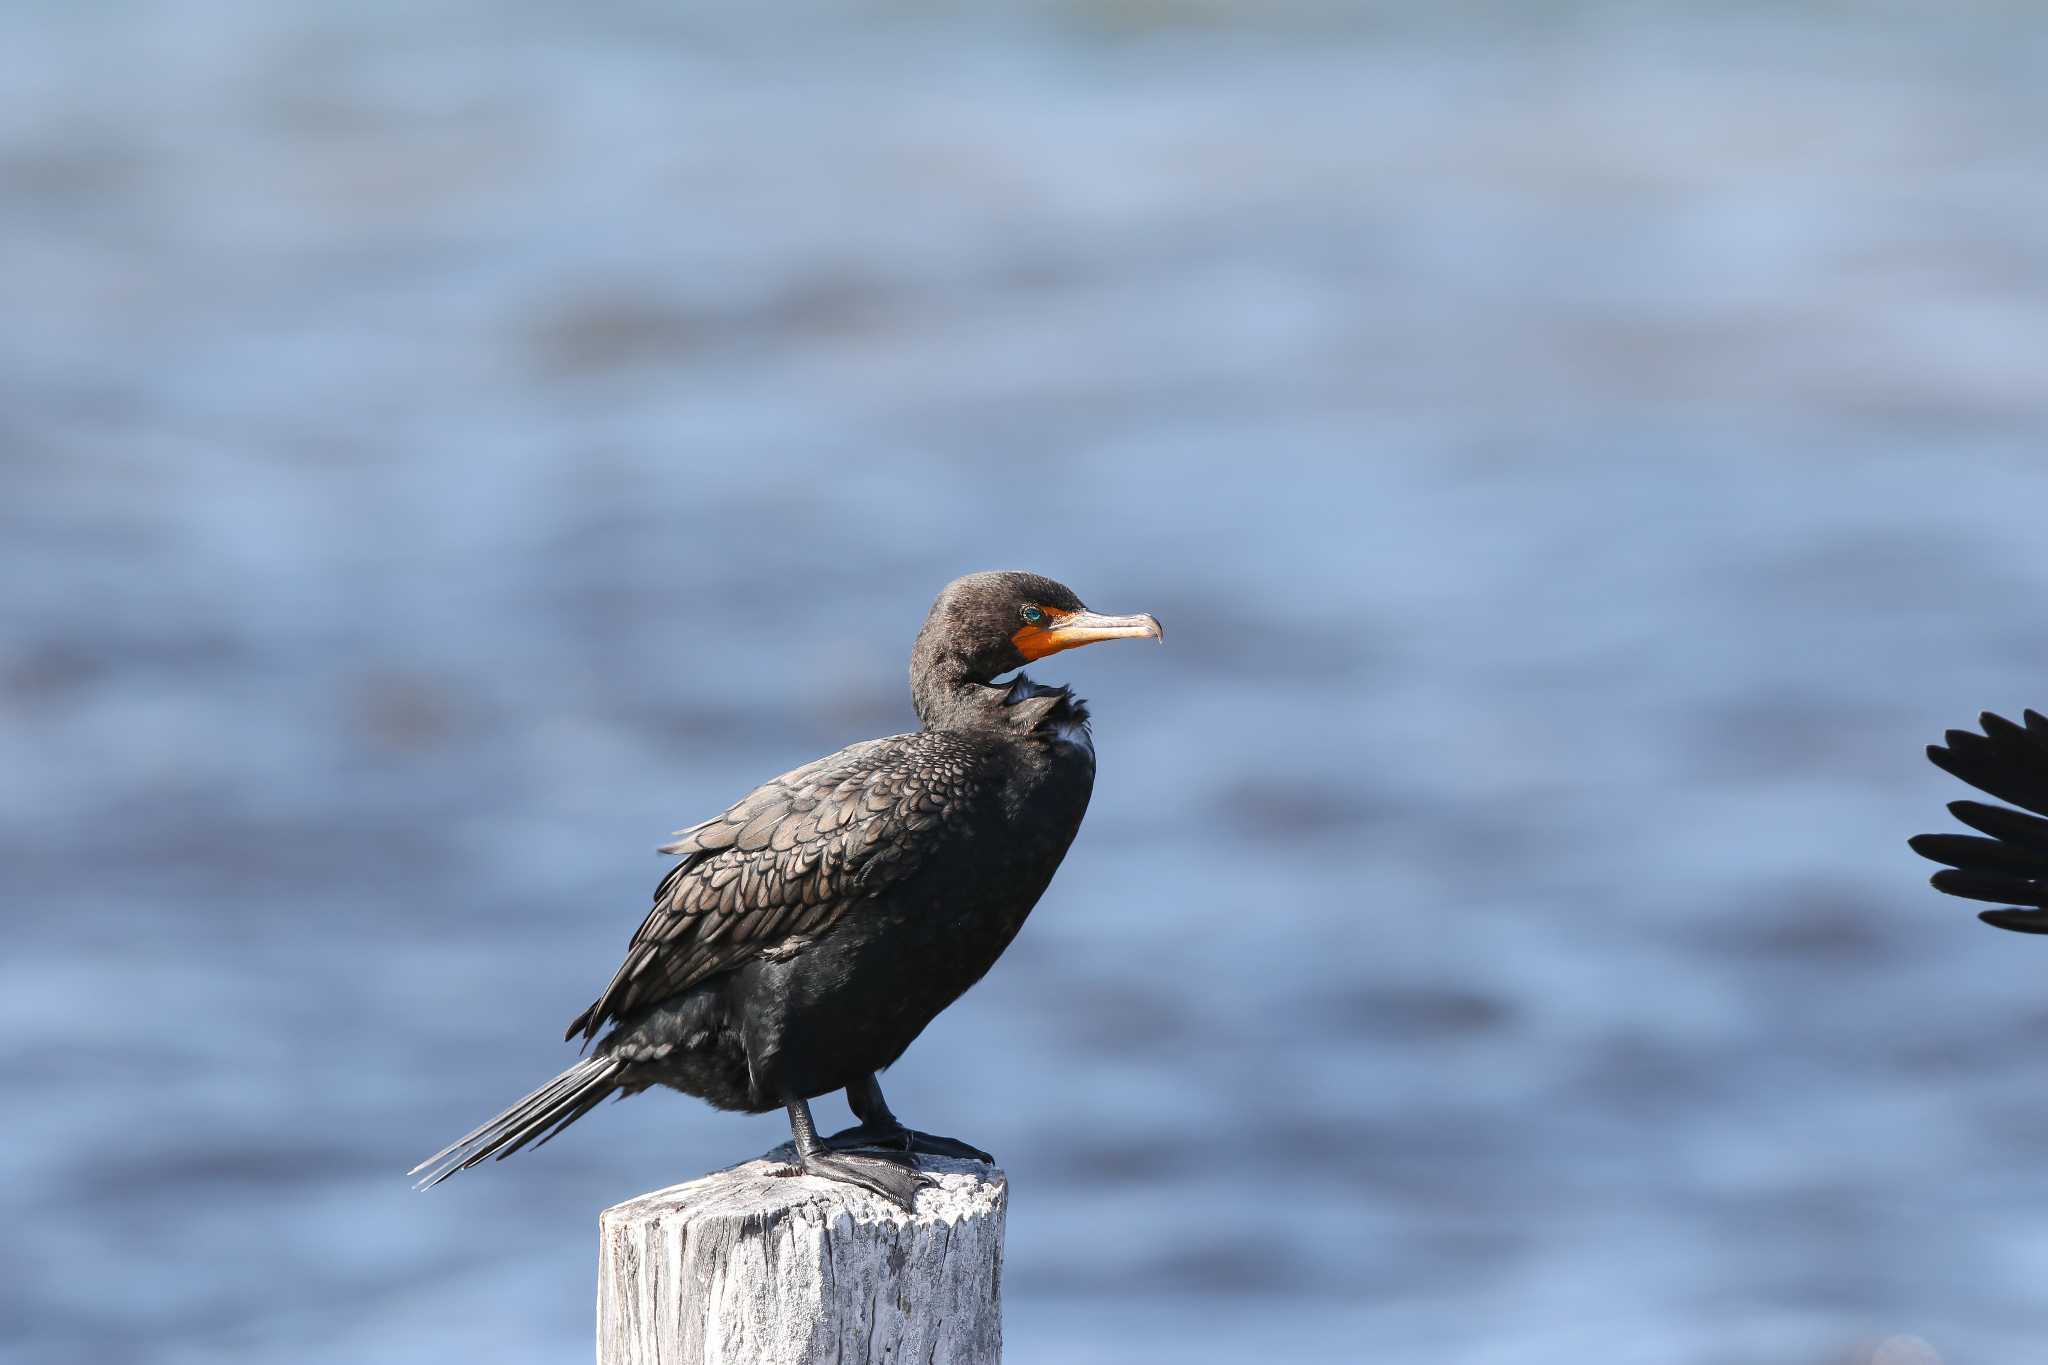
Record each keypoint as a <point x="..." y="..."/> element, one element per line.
<point x="787" y="861"/>
<point x="2009" y="867"/>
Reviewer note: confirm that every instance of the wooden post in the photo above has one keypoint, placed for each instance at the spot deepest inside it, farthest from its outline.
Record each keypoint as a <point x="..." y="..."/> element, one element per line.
<point x="756" y="1266"/>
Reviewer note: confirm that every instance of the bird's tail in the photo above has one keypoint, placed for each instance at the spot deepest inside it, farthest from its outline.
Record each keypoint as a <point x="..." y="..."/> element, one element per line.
<point x="535" y="1119"/>
<point x="2009" y="762"/>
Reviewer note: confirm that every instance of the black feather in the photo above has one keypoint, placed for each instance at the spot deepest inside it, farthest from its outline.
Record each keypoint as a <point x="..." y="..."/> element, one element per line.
<point x="542" y="1114"/>
<point x="2019" y="921"/>
<point x="2008" y="772"/>
<point x="1973" y="886"/>
<point x="1979" y="855"/>
<point x="2010" y="866"/>
<point x="2008" y="826"/>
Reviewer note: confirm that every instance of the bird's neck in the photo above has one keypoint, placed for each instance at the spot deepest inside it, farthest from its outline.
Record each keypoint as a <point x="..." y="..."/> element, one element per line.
<point x="1018" y="707"/>
<point x="945" y="696"/>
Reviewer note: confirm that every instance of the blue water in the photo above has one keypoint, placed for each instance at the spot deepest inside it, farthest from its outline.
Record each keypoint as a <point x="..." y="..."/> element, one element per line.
<point x="1581" y="453"/>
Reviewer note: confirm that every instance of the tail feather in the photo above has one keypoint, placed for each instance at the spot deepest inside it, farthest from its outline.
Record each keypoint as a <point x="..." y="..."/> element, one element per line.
<point x="540" y="1115"/>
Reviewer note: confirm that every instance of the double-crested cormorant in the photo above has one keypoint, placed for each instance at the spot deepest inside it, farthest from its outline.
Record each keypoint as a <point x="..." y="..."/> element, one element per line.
<point x="814" y="929"/>
<point x="2009" y="762"/>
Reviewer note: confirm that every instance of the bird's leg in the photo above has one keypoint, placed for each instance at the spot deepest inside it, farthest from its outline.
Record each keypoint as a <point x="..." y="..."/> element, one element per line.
<point x="894" y="1176"/>
<point x="880" y="1130"/>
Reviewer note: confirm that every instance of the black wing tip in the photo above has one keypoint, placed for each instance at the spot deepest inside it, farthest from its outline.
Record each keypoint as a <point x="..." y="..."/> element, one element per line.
<point x="1936" y="848"/>
<point x="1995" y="886"/>
<point x="1967" y="755"/>
<point x="2018" y="921"/>
<point x="1992" y="725"/>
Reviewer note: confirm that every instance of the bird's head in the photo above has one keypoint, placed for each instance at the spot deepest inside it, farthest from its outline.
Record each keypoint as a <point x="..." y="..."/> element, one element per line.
<point x="986" y="624"/>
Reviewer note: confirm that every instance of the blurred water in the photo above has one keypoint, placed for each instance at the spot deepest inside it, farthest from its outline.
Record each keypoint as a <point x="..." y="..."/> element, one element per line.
<point x="1581" y="453"/>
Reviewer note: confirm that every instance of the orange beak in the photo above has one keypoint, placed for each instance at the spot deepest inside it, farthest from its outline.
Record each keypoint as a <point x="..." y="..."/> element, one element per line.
<point x="1070" y="630"/>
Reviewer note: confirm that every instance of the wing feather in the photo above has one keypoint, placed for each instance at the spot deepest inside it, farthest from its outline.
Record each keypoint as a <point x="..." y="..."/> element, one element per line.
<point x="792" y="857"/>
<point x="2010" y="867"/>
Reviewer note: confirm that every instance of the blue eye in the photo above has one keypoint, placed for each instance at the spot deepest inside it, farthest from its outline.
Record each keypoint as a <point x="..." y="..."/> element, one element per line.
<point x="1033" y="615"/>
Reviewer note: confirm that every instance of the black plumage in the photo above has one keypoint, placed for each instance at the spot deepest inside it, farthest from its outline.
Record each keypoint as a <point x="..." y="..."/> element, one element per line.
<point x="809" y="933"/>
<point x="2010" y="865"/>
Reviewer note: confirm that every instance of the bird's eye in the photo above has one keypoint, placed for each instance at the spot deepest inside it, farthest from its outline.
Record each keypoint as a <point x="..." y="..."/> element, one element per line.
<point x="1033" y="615"/>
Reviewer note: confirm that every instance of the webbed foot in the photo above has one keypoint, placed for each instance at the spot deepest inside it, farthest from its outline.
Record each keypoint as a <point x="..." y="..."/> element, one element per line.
<point x="879" y="1137"/>
<point x="895" y="1177"/>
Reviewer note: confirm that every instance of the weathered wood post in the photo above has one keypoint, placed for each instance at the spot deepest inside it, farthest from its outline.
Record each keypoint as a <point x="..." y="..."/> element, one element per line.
<point x="755" y="1266"/>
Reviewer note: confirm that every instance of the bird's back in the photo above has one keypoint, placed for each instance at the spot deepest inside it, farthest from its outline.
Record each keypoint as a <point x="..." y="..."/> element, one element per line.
<point x="913" y="856"/>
